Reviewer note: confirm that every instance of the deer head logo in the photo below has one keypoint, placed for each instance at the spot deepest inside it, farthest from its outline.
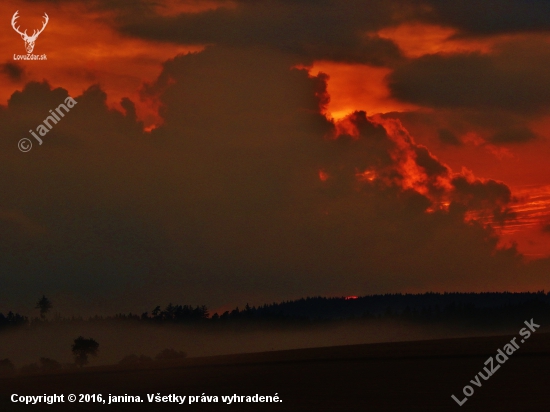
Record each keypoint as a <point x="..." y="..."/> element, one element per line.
<point x="29" y="40"/>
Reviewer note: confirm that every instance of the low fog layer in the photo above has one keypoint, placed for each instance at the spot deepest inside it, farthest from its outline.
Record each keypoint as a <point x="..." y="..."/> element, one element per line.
<point x="119" y="339"/>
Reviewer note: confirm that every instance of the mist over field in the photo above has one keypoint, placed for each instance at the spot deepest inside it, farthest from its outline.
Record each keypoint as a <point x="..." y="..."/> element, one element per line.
<point x="118" y="339"/>
<point x="304" y="323"/>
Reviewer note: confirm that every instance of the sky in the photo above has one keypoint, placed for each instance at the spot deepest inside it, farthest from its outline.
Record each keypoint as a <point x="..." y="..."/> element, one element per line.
<point x="225" y="152"/>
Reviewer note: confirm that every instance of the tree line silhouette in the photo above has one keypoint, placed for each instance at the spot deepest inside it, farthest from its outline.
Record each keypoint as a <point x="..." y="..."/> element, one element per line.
<point x="495" y="307"/>
<point x="12" y="319"/>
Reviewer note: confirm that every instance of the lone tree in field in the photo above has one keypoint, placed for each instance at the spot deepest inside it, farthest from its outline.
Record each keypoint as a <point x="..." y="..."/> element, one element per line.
<point x="82" y="348"/>
<point x="44" y="305"/>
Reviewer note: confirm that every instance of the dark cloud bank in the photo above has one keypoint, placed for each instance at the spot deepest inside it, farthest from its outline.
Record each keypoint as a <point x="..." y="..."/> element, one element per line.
<point x="511" y="84"/>
<point x="223" y="203"/>
<point x="307" y="30"/>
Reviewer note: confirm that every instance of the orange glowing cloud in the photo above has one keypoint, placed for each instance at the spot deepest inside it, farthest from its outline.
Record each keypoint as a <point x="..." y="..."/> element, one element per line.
<point x="405" y="170"/>
<point x="357" y="87"/>
<point x="368" y="175"/>
<point x="415" y="40"/>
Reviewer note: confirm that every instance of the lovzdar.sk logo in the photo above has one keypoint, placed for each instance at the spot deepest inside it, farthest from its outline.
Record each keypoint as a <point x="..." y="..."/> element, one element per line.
<point x="29" y="40"/>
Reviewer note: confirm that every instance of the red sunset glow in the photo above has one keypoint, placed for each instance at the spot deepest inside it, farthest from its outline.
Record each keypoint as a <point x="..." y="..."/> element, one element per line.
<point x="232" y="201"/>
<point x="318" y="156"/>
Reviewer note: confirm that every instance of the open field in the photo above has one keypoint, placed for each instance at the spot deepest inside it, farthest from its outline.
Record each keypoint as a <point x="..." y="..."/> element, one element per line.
<point x="402" y="376"/>
<point x="119" y="339"/>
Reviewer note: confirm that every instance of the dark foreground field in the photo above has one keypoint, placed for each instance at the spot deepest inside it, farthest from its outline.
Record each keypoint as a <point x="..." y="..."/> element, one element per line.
<point x="406" y="376"/>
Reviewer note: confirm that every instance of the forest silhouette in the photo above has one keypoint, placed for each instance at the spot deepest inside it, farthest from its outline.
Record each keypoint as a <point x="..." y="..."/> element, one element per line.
<point x="494" y="308"/>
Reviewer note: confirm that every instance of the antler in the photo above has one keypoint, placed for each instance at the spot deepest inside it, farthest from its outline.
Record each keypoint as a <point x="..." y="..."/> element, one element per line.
<point x="15" y="17"/>
<point x="37" y="32"/>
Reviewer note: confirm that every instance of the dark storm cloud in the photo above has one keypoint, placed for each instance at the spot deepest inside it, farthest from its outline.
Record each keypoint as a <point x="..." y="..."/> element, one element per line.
<point x="487" y="17"/>
<point x="430" y="164"/>
<point x="327" y="30"/>
<point x="480" y="195"/>
<point x="483" y="17"/>
<point x="496" y="81"/>
<point x="135" y="7"/>
<point x="223" y="203"/>
<point x="13" y="71"/>
<point x="496" y="95"/>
